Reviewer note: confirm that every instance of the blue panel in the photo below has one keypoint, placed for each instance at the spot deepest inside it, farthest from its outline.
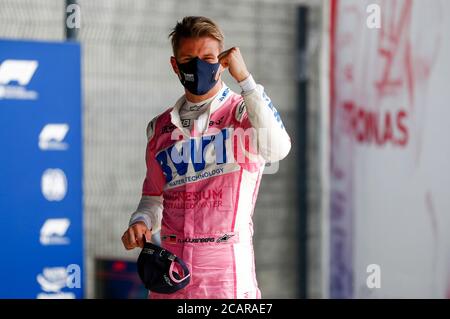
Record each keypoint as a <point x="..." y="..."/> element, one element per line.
<point x="41" y="170"/>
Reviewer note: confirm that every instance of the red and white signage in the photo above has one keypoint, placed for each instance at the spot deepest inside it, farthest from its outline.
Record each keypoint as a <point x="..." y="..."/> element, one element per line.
<point x="390" y="149"/>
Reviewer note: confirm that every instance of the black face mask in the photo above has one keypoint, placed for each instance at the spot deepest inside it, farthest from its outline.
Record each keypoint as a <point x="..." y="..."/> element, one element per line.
<point x="198" y="76"/>
<point x="156" y="270"/>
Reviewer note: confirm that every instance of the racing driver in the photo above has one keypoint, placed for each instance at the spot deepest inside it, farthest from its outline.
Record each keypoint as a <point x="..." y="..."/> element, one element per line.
<point x="205" y="157"/>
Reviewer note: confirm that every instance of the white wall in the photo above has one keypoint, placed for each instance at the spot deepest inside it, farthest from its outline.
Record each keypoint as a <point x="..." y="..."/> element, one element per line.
<point x="395" y="188"/>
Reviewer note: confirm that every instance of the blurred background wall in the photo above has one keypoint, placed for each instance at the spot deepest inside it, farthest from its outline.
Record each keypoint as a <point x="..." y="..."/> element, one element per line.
<point x="365" y="185"/>
<point x="127" y="80"/>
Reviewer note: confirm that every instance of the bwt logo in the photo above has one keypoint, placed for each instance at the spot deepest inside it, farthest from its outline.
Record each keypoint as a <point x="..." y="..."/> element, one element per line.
<point x="14" y="76"/>
<point x="189" y="77"/>
<point x="195" y="151"/>
<point x="225" y="146"/>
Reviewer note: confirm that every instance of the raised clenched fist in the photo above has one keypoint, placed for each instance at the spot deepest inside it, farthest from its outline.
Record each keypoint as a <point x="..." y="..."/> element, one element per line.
<point x="233" y="60"/>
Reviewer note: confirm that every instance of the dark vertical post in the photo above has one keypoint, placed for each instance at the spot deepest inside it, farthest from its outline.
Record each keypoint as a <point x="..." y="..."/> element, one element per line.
<point x="71" y="32"/>
<point x="302" y="146"/>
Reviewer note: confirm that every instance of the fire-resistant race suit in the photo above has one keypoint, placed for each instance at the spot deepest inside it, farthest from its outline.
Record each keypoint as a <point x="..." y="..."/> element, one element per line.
<point x="202" y="180"/>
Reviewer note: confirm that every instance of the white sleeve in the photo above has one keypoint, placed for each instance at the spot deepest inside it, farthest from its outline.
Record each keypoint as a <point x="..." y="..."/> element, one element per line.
<point x="149" y="211"/>
<point x="273" y="141"/>
<point x="150" y="208"/>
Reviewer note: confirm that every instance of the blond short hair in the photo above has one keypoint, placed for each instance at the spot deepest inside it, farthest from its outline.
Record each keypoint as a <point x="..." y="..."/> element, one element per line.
<point x="195" y="27"/>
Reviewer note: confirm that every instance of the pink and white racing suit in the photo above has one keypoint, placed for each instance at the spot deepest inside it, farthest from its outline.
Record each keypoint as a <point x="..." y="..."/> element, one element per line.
<point x="205" y="181"/>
